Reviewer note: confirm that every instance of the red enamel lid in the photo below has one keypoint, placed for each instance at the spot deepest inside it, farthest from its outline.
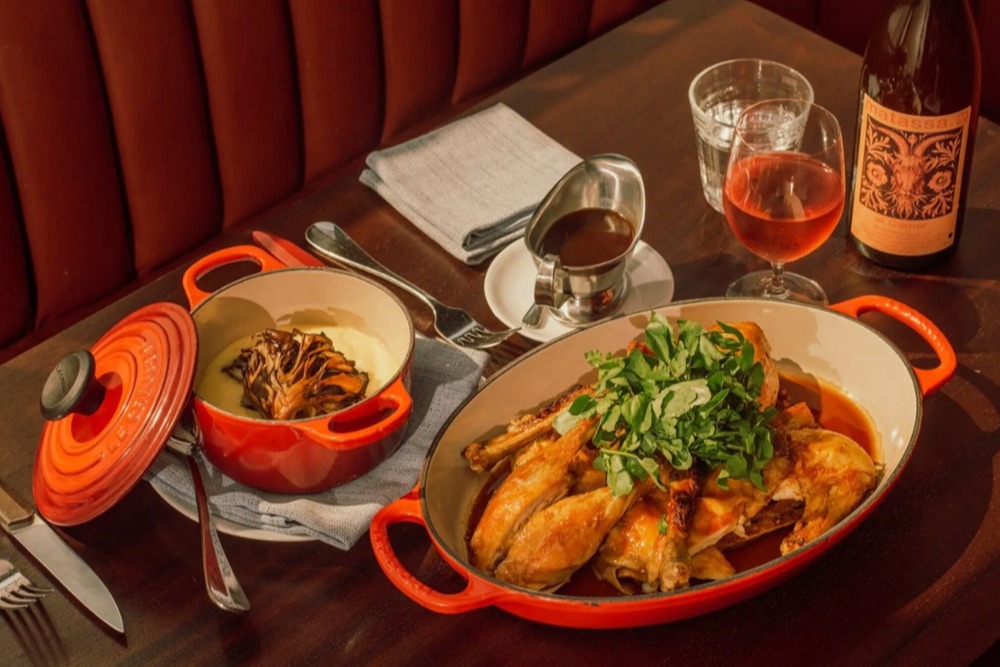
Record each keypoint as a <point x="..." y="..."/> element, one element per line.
<point x="121" y="416"/>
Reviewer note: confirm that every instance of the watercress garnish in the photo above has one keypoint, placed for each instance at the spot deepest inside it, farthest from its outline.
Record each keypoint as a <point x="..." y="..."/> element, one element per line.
<point x="694" y="398"/>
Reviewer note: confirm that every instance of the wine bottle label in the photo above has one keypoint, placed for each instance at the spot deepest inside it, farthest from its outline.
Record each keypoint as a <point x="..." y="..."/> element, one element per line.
<point x="907" y="180"/>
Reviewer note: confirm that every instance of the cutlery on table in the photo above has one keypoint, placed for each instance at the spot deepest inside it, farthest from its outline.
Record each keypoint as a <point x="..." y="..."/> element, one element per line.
<point x="62" y="563"/>
<point x="16" y="590"/>
<point x="533" y="316"/>
<point x="453" y="324"/>
<point x="220" y="580"/>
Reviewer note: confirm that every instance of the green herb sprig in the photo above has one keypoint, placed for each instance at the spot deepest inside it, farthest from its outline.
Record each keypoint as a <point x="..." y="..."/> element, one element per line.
<point x="694" y="399"/>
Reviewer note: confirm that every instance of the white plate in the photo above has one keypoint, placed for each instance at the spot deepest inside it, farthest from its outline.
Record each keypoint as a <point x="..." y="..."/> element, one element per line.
<point x="230" y="527"/>
<point x="510" y="288"/>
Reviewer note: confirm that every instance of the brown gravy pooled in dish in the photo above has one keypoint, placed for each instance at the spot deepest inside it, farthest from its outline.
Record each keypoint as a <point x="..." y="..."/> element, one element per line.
<point x="588" y="236"/>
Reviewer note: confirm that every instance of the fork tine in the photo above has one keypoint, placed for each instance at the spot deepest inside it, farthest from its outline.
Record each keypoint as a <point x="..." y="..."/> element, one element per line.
<point x="28" y="592"/>
<point x="481" y="340"/>
<point x="5" y="604"/>
<point x="16" y="590"/>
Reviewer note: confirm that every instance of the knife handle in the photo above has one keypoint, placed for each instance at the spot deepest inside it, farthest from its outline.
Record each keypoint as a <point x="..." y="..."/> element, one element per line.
<point x="13" y="512"/>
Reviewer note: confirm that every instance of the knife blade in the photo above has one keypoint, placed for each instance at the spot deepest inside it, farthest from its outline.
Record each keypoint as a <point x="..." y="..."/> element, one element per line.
<point x="284" y="250"/>
<point x="57" y="558"/>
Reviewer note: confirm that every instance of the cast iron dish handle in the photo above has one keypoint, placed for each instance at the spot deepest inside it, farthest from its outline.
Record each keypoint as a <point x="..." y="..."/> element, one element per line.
<point x="930" y="379"/>
<point x="196" y="295"/>
<point x="476" y="594"/>
<point x="394" y="401"/>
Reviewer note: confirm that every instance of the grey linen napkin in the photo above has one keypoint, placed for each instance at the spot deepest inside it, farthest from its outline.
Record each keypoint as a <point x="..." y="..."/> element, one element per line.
<point x="473" y="184"/>
<point x="442" y="377"/>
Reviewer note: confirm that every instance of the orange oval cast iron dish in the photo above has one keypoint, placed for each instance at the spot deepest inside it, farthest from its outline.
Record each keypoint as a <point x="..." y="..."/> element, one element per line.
<point x="829" y="343"/>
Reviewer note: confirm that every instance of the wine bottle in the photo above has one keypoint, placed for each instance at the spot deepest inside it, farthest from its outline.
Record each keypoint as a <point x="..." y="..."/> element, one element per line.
<point x="919" y="104"/>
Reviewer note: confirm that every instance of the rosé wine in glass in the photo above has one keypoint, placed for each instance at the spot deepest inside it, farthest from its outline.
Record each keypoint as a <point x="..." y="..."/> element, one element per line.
<point x="783" y="204"/>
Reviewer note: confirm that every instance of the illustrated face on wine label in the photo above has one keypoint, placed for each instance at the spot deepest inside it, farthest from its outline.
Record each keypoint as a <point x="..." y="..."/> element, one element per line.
<point x="909" y="175"/>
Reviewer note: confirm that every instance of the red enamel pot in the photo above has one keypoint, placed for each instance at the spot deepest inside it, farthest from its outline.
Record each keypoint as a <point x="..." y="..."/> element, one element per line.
<point x="827" y="343"/>
<point x="303" y="455"/>
<point x="110" y="410"/>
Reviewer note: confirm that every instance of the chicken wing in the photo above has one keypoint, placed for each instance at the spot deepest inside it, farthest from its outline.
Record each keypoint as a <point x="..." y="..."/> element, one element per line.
<point x="832" y="474"/>
<point x="520" y="432"/>
<point x="558" y="540"/>
<point x="534" y="484"/>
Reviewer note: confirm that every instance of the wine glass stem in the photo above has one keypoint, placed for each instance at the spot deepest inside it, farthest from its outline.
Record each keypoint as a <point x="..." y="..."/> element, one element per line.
<point x="776" y="285"/>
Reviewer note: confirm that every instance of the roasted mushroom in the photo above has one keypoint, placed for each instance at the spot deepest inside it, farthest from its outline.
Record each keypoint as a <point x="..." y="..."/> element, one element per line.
<point x="296" y="375"/>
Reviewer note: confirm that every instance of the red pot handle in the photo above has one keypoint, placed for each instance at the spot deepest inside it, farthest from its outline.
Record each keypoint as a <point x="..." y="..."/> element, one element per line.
<point x="476" y="594"/>
<point x="930" y="379"/>
<point x="238" y="253"/>
<point x="394" y="401"/>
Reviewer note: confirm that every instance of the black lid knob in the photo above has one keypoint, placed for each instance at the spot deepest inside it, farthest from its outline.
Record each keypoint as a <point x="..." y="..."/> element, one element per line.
<point x="72" y="387"/>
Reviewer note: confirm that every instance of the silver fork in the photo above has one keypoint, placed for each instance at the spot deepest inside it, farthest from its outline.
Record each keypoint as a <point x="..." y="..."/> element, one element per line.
<point x="454" y="325"/>
<point x="16" y="590"/>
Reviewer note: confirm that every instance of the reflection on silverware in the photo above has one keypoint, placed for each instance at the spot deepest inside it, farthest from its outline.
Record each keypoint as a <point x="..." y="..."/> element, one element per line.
<point x="453" y="324"/>
<point x="532" y="317"/>
<point x="220" y="580"/>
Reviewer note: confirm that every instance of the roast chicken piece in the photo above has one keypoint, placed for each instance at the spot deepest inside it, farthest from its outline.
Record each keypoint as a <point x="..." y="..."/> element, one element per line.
<point x="531" y="486"/>
<point x="520" y="432"/>
<point x="561" y="538"/>
<point x="719" y="512"/>
<point x="647" y="550"/>
<point x="815" y="479"/>
<point x="727" y="514"/>
<point x="832" y="473"/>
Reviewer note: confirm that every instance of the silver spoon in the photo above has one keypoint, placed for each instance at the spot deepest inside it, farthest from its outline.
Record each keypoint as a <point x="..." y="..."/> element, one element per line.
<point x="532" y="317"/>
<point x="220" y="581"/>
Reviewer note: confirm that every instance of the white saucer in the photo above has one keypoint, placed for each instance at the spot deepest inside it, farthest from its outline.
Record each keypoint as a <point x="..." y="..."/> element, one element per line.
<point x="510" y="288"/>
<point x="230" y="527"/>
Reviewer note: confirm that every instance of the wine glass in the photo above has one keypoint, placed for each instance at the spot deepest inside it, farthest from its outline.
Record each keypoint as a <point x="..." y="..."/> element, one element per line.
<point x="784" y="192"/>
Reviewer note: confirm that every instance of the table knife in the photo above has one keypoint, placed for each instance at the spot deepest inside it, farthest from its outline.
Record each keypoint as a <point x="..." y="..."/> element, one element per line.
<point x="61" y="563"/>
<point x="285" y="251"/>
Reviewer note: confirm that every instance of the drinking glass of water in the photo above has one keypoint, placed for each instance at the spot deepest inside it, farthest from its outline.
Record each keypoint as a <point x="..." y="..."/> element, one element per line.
<point x="719" y="94"/>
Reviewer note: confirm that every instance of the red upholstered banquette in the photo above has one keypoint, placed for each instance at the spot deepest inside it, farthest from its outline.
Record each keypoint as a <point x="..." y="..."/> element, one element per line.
<point x="133" y="131"/>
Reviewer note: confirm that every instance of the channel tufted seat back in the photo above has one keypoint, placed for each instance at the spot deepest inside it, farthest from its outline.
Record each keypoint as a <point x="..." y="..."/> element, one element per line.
<point x="132" y="131"/>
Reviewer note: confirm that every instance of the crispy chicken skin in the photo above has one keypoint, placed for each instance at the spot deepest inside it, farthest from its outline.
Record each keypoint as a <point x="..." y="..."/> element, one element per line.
<point x="833" y="473"/>
<point x="520" y="432"/>
<point x="531" y="486"/>
<point x="637" y="551"/>
<point x="561" y="538"/>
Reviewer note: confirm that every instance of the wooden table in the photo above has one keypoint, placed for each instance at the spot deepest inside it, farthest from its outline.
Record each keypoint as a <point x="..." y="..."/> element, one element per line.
<point x="918" y="582"/>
